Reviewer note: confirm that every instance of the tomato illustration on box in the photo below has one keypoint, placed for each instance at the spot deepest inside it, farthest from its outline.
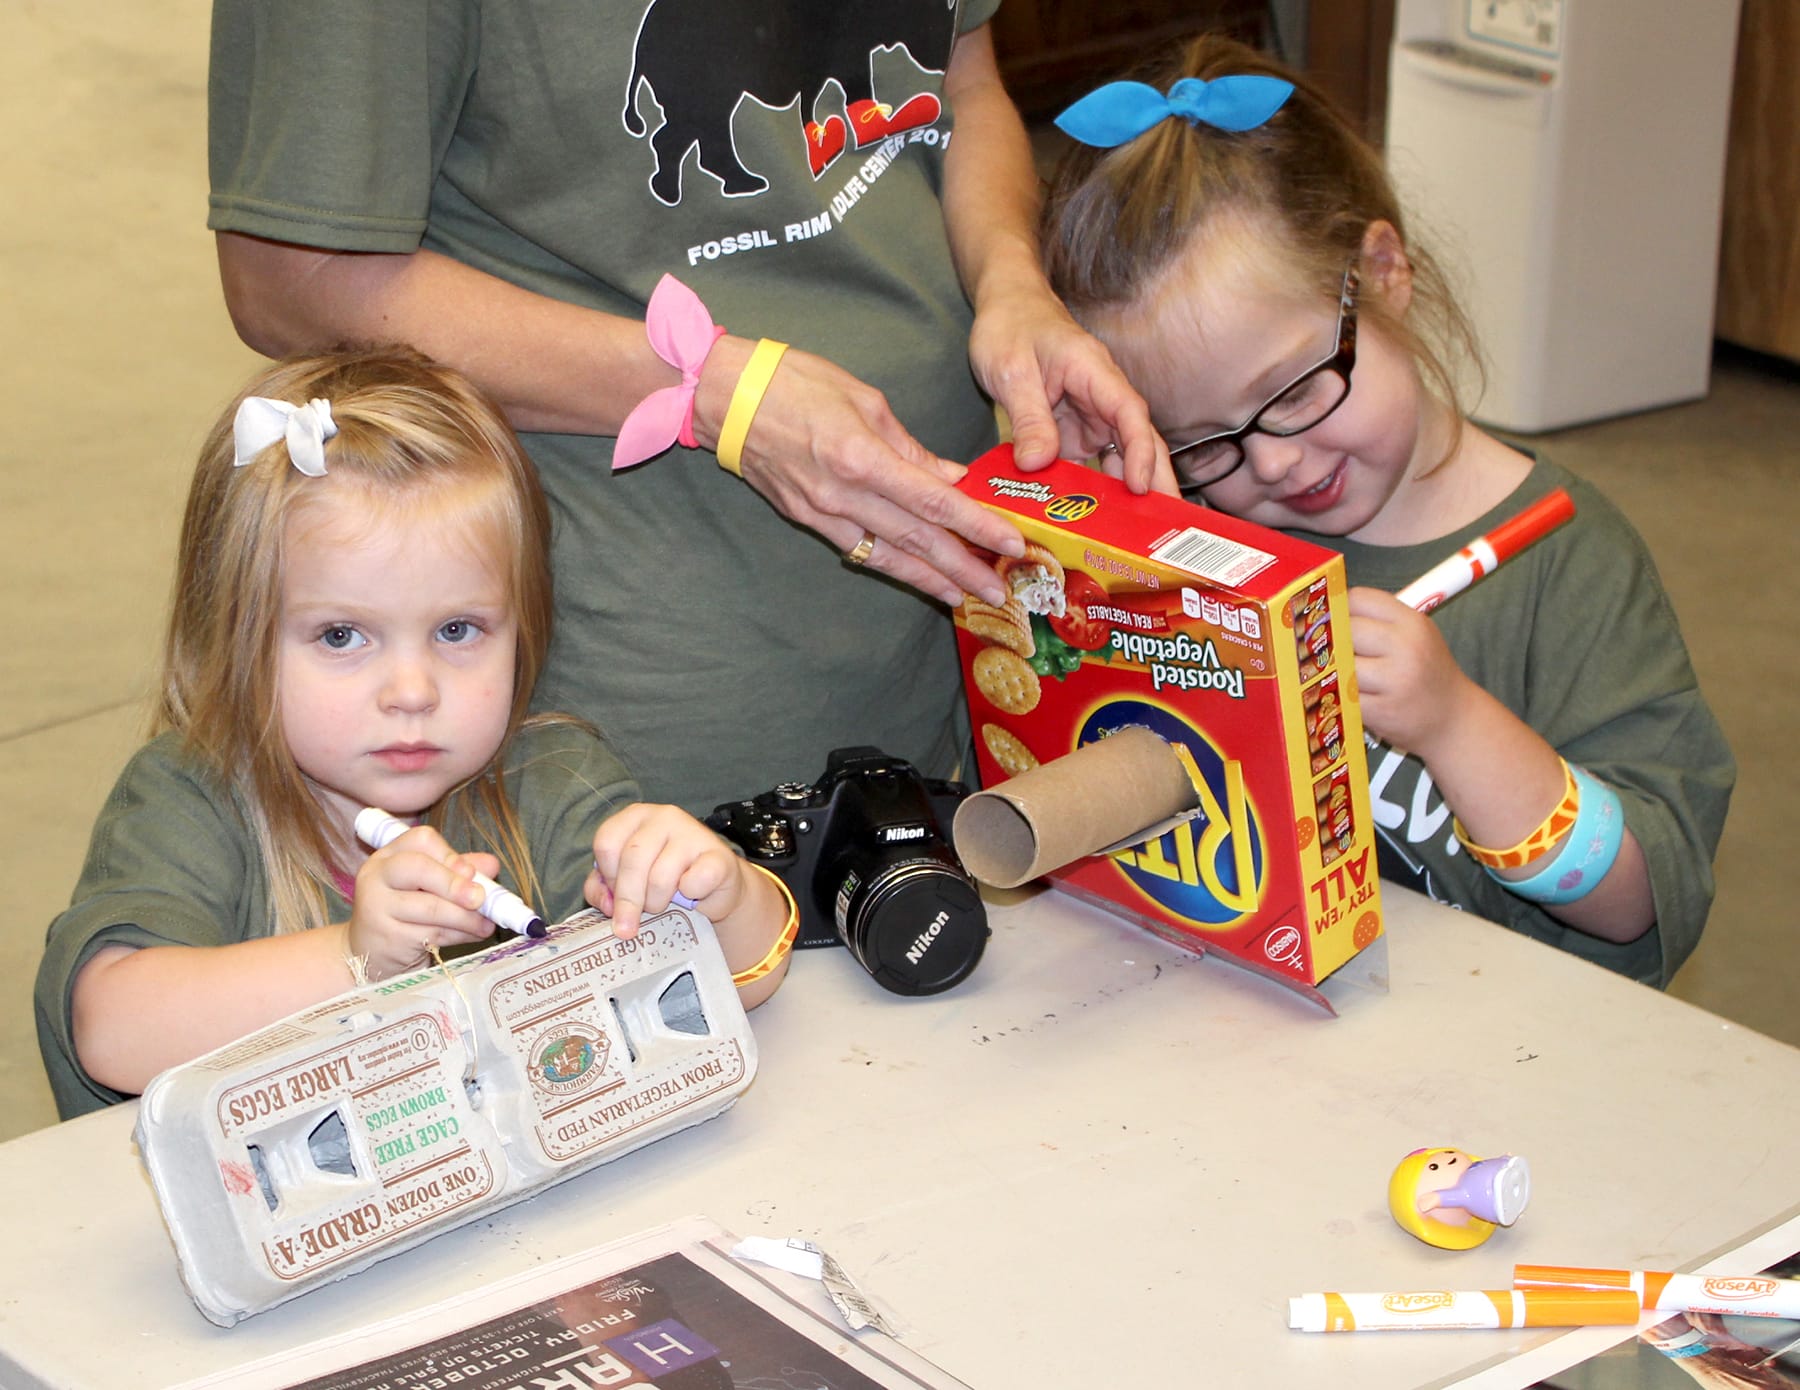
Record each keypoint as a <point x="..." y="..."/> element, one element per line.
<point x="1220" y="636"/>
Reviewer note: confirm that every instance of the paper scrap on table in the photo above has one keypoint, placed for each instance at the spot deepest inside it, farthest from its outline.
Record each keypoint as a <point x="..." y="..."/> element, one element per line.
<point x="805" y="1259"/>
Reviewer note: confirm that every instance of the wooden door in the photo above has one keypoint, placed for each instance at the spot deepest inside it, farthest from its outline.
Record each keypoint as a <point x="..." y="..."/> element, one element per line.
<point x="1052" y="51"/>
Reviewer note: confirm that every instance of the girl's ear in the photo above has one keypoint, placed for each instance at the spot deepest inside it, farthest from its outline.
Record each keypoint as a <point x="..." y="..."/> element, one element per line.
<point x="1384" y="268"/>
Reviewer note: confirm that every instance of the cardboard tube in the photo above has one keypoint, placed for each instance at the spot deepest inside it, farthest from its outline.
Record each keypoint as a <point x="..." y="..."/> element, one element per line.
<point x="1071" y="807"/>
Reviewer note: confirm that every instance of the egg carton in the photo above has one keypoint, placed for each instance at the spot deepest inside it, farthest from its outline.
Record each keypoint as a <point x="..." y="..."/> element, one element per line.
<point x="364" y="1125"/>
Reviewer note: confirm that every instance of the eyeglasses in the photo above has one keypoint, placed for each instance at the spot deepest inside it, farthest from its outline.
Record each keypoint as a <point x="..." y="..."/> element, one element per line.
<point x="1295" y="408"/>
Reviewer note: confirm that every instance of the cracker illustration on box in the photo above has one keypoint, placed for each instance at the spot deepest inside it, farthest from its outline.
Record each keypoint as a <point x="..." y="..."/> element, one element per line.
<point x="354" y="1129"/>
<point x="1227" y="641"/>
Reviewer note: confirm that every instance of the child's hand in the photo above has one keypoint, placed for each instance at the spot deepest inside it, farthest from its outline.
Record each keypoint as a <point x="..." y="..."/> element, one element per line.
<point x="415" y="895"/>
<point x="646" y="852"/>
<point x="1412" y="691"/>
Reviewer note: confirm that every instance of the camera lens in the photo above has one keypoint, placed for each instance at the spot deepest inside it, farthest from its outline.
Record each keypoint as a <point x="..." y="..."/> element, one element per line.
<point x="917" y="926"/>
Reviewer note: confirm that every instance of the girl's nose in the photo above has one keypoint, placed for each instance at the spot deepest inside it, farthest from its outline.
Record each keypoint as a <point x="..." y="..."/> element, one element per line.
<point x="1270" y="457"/>
<point x="410" y="687"/>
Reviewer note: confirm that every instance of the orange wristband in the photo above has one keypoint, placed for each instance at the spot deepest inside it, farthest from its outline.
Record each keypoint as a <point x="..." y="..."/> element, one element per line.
<point x="783" y="943"/>
<point x="1557" y="824"/>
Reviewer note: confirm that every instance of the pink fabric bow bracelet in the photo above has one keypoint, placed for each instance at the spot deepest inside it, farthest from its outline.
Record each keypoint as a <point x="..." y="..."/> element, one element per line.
<point x="682" y="333"/>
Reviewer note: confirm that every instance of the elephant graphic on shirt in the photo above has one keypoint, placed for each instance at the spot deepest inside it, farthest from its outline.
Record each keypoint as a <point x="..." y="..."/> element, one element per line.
<point x="701" y="58"/>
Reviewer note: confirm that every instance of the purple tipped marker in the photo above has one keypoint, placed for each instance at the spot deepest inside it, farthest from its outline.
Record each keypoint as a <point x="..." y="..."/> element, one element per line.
<point x="501" y="906"/>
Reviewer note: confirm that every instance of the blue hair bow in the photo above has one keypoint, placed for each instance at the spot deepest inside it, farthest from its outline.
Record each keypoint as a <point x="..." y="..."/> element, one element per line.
<point x="1109" y="116"/>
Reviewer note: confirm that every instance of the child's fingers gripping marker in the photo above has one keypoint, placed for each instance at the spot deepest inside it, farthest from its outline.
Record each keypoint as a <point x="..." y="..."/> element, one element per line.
<point x="677" y="899"/>
<point x="501" y="906"/>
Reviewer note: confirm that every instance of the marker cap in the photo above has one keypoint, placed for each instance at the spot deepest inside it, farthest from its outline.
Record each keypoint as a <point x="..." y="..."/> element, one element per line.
<point x="1307" y="1312"/>
<point x="1539" y="519"/>
<point x="1569" y="1277"/>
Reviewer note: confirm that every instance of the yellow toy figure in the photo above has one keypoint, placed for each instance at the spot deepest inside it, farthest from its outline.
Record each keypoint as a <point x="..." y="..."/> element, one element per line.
<point x="1453" y="1200"/>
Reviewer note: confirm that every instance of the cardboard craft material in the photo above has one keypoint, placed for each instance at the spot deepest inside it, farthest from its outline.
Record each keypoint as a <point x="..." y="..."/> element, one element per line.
<point x="354" y="1129"/>
<point x="1220" y="636"/>
<point x="1113" y="792"/>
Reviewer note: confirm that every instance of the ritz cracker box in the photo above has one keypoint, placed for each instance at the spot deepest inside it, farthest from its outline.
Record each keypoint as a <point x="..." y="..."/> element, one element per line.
<point x="1218" y="635"/>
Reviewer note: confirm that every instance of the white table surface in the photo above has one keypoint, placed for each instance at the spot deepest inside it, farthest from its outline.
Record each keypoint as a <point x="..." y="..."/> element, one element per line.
<point x="1101" y="1161"/>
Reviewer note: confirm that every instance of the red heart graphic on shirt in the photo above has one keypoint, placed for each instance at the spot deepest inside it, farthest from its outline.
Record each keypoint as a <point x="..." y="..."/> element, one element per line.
<point x="871" y="121"/>
<point x="824" y="143"/>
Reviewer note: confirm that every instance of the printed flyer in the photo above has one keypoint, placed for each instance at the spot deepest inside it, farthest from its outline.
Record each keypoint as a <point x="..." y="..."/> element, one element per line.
<point x="670" y="1309"/>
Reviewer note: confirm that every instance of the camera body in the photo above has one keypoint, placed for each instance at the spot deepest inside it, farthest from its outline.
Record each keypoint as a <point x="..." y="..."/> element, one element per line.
<point x="866" y="853"/>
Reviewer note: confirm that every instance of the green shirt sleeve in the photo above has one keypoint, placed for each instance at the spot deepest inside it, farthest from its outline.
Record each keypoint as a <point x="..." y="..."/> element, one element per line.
<point x="328" y="120"/>
<point x="170" y="863"/>
<point x="173" y="862"/>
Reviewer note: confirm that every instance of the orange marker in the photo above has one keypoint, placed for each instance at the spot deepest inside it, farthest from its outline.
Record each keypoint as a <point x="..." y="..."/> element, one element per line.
<point x="1393" y="1312"/>
<point x="1748" y="1295"/>
<point x="1485" y="554"/>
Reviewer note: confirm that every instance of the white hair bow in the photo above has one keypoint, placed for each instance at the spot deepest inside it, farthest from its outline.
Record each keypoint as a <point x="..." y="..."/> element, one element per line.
<point x="261" y="421"/>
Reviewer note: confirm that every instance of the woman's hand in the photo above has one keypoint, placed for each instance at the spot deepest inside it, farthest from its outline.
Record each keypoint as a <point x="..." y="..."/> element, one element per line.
<point x="827" y="452"/>
<point x="1057" y="383"/>
<point x="415" y="896"/>
<point x="1062" y="391"/>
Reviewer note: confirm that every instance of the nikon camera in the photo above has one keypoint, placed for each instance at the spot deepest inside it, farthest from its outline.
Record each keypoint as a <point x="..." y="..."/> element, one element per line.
<point x="866" y="853"/>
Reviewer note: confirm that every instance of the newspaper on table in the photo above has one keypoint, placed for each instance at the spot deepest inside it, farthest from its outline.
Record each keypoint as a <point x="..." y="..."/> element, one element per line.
<point x="670" y="1308"/>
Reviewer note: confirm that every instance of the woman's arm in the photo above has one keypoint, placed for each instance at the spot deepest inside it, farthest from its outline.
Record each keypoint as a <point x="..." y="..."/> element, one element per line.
<point x="825" y="450"/>
<point x="553" y="366"/>
<point x="1057" y="383"/>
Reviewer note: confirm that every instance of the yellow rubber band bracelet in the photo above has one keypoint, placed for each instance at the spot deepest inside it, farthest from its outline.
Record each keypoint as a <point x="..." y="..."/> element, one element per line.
<point x="783" y="943"/>
<point x="752" y="386"/>
<point x="1533" y="846"/>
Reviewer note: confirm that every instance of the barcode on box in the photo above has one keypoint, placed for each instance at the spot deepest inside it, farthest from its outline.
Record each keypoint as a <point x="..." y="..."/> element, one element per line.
<point x="1212" y="558"/>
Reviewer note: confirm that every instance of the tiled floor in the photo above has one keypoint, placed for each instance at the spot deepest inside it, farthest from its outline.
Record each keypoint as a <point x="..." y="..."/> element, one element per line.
<point x="118" y="354"/>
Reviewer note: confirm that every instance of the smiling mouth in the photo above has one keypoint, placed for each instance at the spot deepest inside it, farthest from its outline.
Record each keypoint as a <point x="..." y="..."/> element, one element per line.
<point x="1318" y="492"/>
<point x="1322" y="485"/>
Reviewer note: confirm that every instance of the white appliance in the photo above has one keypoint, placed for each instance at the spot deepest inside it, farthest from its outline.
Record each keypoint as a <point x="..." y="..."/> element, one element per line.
<point x="1566" y="158"/>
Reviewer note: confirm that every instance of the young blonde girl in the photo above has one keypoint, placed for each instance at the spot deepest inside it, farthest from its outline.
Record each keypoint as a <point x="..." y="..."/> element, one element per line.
<point x="361" y="608"/>
<point x="1542" y="754"/>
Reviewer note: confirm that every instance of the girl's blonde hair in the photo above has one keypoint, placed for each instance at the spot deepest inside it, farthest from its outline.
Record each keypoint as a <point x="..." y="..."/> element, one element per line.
<point x="413" y="436"/>
<point x="1117" y="218"/>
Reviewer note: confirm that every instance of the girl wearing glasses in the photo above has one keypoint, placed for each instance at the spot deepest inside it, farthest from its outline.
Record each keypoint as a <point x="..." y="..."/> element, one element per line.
<point x="1544" y="756"/>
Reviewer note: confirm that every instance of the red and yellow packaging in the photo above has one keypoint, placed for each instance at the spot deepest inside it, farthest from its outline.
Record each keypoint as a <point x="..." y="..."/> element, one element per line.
<point x="1221" y="636"/>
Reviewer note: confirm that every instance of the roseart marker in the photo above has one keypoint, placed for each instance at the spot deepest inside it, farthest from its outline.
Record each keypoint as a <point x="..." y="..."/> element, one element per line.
<point x="1445" y="1309"/>
<point x="1748" y="1295"/>
<point x="1485" y="554"/>
<point x="501" y="906"/>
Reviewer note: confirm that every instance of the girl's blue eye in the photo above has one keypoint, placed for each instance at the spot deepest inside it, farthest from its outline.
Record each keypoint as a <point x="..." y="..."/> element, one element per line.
<point x="458" y="630"/>
<point x="341" y="638"/>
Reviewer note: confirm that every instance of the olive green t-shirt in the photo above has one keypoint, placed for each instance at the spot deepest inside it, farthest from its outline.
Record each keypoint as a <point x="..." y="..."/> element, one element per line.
<point x="1576" y="636"/>
<point x="582" y="150"/>
<point x="173" y="862"/>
